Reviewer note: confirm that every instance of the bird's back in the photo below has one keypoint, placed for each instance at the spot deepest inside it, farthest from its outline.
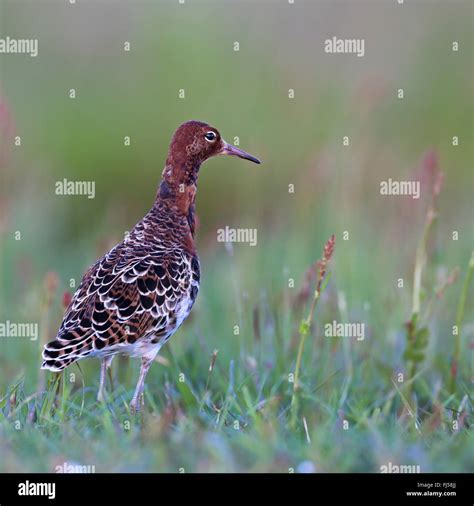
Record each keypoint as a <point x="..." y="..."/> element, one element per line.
<point x="134" y="297"/>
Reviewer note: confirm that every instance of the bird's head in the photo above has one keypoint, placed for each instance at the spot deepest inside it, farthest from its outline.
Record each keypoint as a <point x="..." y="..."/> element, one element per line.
<point x="194" y="142"/>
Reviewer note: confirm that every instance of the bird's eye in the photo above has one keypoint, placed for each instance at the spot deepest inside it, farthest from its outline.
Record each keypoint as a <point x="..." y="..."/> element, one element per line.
<point x="210" y="136"/>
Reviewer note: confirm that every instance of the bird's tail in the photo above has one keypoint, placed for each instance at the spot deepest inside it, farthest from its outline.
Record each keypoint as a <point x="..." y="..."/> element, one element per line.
<point x="59" y="354"/>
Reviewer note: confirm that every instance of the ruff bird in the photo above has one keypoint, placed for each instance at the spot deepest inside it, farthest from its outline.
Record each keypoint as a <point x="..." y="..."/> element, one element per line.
<point x="134" y="298"/>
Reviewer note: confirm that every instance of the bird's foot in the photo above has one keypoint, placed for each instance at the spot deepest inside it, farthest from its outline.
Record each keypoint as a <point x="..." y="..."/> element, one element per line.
<point x="137" y="403"/>
<point x="101" y="396"/>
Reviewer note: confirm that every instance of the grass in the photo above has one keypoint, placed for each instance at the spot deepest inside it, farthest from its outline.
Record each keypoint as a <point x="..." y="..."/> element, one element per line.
<point x="231" y="409"/>
<point x="321" y="266"/>
<point x="245" y="386"/>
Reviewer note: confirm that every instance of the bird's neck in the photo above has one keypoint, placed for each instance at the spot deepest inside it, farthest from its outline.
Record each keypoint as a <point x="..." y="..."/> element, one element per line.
<point x="178" y="187"/>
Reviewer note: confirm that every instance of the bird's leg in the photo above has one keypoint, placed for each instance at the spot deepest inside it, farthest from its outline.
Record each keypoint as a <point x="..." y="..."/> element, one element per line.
<point x="111" y="379"/>
<point x="100" y="393"/>
<point x="104" y="365"/>
<point x="136" y="400"/>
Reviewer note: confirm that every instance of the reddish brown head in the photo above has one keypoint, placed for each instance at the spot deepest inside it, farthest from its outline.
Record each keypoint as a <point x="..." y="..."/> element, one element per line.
<point x="192" y="144"/>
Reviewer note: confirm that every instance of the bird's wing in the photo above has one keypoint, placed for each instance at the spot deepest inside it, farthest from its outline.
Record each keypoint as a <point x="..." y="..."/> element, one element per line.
<point x="122" y="298"/>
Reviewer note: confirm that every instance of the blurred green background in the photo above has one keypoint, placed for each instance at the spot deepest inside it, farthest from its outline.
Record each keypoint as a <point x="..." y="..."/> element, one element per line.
<point x="245" y="94"/>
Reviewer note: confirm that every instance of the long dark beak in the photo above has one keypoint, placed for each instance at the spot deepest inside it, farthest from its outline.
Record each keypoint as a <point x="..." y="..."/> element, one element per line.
<point x="228" y="149"/>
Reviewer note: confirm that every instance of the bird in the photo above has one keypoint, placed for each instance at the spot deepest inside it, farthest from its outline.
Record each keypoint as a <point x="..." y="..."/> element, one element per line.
<point x="135" y="297"/>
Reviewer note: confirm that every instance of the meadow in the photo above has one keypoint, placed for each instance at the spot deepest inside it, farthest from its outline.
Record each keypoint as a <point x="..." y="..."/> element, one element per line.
<point x="222" y="395"/>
